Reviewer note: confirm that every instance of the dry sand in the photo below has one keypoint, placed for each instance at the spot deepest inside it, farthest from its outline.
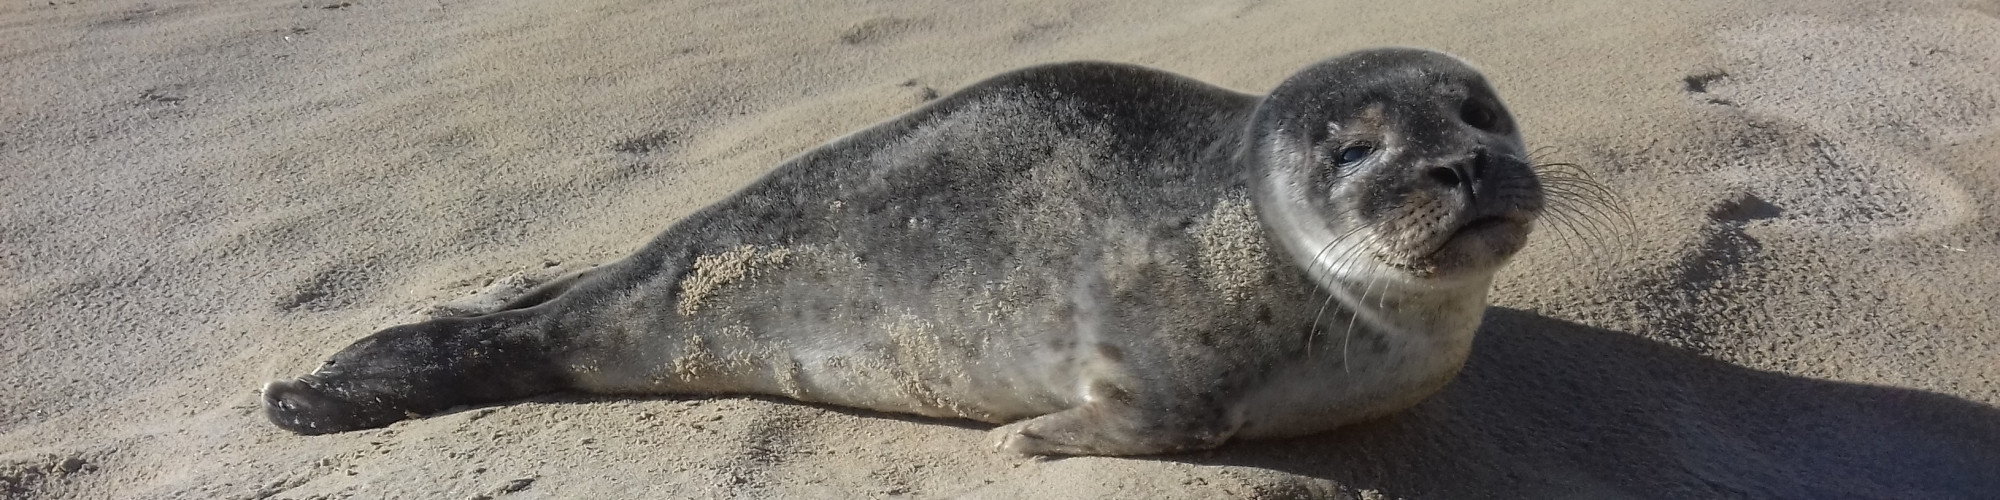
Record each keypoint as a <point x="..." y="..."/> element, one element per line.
<point x="199" y="196"/>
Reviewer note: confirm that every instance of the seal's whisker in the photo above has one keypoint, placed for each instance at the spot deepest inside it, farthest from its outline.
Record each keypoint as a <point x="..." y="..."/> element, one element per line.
<point x="1347" y="334"/>
<point x="1350" y="259"/>
<point x="1568" y="172"/>
<point x="1542" y="151"/>
<point x="1563" y="225"/>
<point x="1347" y="258"/>
<point x="1571" y="180"/>
<point x="1579" y="206"/>
<point x="1330" y="244"/>
<point x="1580" y="222"/>
<point x="1603" y="207"/>
<point x="1575" y="190"/>
<point x="1570" y="183"/>
<point x="1313" y="331"/>
<point x="1333" y="273"/>
<point x="1558" y="194"/>
<point x="1559" y="228"/>
<point x="1562" y="169"/>
<point x="1348" y="339"/>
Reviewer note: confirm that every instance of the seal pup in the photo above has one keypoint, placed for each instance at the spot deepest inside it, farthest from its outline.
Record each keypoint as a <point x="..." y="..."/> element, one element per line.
<point x="1107" y="259"/>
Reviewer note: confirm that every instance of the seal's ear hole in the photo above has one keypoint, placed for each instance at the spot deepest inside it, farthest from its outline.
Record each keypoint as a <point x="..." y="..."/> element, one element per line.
<point x="1477" y="115"/>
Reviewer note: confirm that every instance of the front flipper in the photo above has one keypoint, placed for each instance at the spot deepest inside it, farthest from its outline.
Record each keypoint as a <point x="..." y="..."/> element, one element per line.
<point x="418" y="369"/>
<point x="1106" y="427"/>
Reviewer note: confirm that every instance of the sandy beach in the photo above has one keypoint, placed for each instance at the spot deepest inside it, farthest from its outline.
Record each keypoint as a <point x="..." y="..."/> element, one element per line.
<point x="197" y="197"/>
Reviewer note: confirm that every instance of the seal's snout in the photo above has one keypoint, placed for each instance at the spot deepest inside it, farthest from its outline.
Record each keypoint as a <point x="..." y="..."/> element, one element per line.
<point x="287" y="402"/>
<point x="297" y="406"/>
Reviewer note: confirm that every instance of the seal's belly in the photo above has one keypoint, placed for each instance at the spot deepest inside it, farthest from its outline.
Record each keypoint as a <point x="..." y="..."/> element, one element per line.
<point x="1315" y="395"/>
<point x="946" y="381"/>
<point x="813" y="325"/>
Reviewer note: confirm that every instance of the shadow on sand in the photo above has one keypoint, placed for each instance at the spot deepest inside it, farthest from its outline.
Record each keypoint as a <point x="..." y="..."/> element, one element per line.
<point x="1551" y="409"/>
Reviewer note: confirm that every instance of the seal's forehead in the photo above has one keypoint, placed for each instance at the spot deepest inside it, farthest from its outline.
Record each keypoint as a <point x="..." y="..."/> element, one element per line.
<point x="1407" y="84"/>
<point x="1421" y="81"/>
<point x="1397" y="57"/>
<point x="1349" y="82"/>
<point x="1390" y="64"/>
<point x="1389" y="100"/>
<point x="1370" y="118"/>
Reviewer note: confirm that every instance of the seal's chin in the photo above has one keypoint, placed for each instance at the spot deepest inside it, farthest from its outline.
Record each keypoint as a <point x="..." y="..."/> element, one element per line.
<point x="1474" y="249"/>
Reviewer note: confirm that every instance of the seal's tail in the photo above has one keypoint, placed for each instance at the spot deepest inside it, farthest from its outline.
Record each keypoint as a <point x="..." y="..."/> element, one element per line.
<point x="418" y="369"/>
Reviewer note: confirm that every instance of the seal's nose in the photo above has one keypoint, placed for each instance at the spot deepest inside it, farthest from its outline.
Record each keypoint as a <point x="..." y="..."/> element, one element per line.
<point x="1463" y="174"/>
<point x="1447" y="176"/>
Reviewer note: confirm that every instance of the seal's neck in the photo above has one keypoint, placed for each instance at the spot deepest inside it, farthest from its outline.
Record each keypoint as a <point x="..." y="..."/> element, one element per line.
<point x="1445" y="311"/>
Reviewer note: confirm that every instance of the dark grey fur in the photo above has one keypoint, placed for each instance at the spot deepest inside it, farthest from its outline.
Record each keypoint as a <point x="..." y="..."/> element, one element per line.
<point x="1131" y="261"/>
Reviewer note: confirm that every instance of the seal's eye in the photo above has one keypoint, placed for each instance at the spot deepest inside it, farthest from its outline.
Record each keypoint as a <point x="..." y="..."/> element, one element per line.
<point x="1352" y="154"/>
<point x="1476" y="115"/>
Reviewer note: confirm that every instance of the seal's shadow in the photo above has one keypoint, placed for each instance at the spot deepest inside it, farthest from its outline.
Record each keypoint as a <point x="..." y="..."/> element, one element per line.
<point x="1547" y="408"/>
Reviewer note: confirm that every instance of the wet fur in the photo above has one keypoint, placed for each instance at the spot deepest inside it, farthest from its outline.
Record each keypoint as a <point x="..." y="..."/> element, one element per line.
<point x="1114" y="260"/>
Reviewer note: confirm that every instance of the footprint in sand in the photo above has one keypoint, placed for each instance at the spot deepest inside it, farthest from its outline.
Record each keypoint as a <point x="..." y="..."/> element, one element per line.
<point x="875" y="30"/>
<point x="20" y="475"/>
<point x="1874" y="104"/>
<point x="333" y="287"/>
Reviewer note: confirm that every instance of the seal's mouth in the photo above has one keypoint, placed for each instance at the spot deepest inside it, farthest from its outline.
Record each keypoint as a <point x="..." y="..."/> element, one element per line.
<point x="1478" y="243"/>
<point x="1480" y="225"/>
<point x="1488" y="228"/>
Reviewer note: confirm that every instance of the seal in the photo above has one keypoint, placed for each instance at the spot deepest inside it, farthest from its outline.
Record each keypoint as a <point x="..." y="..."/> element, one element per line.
<point x="1107" y="259"/>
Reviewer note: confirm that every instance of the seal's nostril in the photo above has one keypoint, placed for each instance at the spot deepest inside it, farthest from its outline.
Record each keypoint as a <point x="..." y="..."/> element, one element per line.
<point x="1445" y="175"/>
<point x="1479" y="160"/>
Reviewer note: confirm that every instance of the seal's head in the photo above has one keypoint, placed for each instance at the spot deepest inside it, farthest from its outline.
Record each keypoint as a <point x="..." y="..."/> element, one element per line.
<point x="400" y="371"/>
<point x="1392" y="166"/>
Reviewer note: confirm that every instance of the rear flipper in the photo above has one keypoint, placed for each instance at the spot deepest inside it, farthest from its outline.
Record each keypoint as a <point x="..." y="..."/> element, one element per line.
<point x="419" y="369"/>
<point x="548" y="290"/>
<point x="1107" y="427"/>
<point x="516" y="291"/>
